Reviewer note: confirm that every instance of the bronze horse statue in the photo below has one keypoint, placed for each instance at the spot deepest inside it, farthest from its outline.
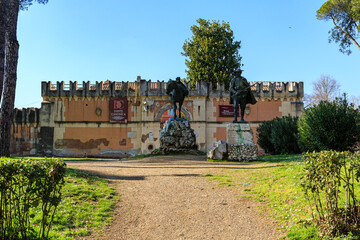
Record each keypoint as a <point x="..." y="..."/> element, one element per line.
<point x="177" y="92"/>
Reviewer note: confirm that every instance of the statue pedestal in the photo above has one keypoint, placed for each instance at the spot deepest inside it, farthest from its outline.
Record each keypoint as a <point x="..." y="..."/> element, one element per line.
<point x="240" y="142"/>
<point x="238" y="133"/>
<point x="177" y="137"/>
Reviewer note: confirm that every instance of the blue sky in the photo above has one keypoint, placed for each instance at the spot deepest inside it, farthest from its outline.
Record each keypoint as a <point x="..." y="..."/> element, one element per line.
<point x="88" y="40"/>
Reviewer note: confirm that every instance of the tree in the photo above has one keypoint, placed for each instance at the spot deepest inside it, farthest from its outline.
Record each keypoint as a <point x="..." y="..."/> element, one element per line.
<point x="345" y="15"/>
<point x="3" y="12"/>
<point x="9" y="59"/>
<point x="330" y="125"/>
<point x="213" y="54"/>
<point x="325" y="88"/>
<point x="356" y="101"/>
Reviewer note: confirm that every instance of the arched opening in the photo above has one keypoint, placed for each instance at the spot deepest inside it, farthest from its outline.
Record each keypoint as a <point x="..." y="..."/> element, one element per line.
<point x="165" y="112"/>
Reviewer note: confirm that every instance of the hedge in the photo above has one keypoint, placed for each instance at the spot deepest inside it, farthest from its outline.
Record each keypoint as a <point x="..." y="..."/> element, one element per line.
<point x="279" y="135"/>
<point x="330" y="125"/>
<point x="27" y="185"/>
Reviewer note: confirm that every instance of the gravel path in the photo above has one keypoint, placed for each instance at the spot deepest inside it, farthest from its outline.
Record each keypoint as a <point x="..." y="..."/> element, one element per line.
<point x="167" y="198"/>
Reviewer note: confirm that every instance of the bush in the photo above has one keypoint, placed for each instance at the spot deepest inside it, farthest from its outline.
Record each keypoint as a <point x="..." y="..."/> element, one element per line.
<point x="329" y="125"/>
<point x="25" y="185"/>
<point x="264" y="136"/>
<point x="329" y="182"/>
<point x="279" y="136"/>
<point x="284" y="135"/>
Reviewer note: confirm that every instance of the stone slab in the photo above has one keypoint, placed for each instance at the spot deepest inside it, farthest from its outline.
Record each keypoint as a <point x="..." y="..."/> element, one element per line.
<point x="131" y="134"/>
<point x="239" y="133"/>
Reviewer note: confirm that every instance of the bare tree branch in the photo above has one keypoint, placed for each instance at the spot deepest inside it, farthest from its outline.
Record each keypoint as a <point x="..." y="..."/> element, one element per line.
<point x="325" y="88"/>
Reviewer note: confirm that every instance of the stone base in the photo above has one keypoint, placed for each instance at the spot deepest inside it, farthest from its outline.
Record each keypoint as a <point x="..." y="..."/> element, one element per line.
<point x="240" y="141"/>
<point x="177" y="137"/>
<point x="239" y="133"/>
<point x="242" y="152"/>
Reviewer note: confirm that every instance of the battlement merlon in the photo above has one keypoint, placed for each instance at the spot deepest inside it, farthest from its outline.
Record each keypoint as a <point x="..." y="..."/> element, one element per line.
<point x="26" y="115"/>
<point x="148" y="88"/>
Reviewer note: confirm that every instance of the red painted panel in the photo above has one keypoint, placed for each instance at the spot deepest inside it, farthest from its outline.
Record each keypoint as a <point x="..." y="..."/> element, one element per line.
<point x="118" y="109"/>
<point x="226" y="111"/>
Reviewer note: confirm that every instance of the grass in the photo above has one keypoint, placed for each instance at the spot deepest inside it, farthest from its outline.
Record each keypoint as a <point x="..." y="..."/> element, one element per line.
<point x="87" y="205"/>
<point x="277" y="185"/>
<point x="141" y="156"/>
<point x="72" y="159"/>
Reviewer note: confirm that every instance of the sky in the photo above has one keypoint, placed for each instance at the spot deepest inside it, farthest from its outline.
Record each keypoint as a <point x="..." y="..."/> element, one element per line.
<point x="92" y="40"/>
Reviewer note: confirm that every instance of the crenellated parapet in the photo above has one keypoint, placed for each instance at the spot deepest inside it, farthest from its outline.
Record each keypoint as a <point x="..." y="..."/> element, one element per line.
<point x="148" y="88"/>
<point x="86" y="89"/>
<point x="26" y="115"/>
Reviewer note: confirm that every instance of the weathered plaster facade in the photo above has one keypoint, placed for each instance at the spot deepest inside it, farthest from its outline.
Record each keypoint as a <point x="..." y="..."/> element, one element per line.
<point x="74" y="119"/>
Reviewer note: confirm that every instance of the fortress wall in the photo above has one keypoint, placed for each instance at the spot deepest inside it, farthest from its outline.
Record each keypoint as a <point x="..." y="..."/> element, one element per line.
<point x="74" y="119"/>
<point x="25" y="131"/>
<point x="147" y="88"/>
<point x="95" y="140"/>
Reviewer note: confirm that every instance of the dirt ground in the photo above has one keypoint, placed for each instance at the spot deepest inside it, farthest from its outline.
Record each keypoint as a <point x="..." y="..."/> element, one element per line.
<point x="167" y="197"/>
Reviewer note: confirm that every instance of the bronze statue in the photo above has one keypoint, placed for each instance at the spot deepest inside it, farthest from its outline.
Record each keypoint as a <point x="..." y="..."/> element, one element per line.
<point x="240" y="94"/>
<point x="177" y="92"/>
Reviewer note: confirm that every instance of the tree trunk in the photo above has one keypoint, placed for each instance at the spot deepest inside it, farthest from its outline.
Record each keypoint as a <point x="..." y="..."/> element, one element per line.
<point x="3" y="11"/>
<point x="11" y="50"/>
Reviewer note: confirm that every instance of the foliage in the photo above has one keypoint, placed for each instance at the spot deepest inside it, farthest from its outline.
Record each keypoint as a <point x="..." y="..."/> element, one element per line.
<point x="345" y="15"/>
<point x="264" y="135"/>
<point x="26" y="184"/>
<point x="87" y="205"/>
<point x="329" y="125"/>
<point x="25" y="4"/>
<point x="213" y="54"/>
<point x="284" y="135"/>
<point x="329" y="183"/>
<point x="279" y="136"/>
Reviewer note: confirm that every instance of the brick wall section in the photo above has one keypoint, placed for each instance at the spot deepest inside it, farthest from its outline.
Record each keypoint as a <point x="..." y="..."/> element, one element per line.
<point x="23" y="138"/>
<point x="93" y="141"/>
<point x="25" y="131"/>
<point x="80" y="110"/>
<point x="220" y="134"/>
<point x="70" y="125"/>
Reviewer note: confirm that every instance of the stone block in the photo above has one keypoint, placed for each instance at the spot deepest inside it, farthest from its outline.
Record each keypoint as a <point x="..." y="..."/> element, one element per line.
<point x="131" y="134"/>
<point x="218" y="151"/>
<point x="242" y="152"/>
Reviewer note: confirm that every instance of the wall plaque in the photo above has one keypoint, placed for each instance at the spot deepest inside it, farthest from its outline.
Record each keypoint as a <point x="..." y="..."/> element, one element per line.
<point x="118" y="109"/>
<point x="226" y="111"/>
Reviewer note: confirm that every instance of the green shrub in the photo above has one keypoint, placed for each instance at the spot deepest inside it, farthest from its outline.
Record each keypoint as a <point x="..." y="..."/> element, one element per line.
<point x="279" y="136"/>
<point x="26" y="184"/>
<point x="264" y="136"/>
<point x="331" y="184"/>
<point x="284" y="135"/>
<point x="329" y="125"/>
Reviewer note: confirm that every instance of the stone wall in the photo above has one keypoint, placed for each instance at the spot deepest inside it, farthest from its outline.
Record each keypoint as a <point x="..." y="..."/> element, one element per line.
<point x="25" y="131"/>
<point x="75" y="120"/>
<point x="148" y="88"/>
